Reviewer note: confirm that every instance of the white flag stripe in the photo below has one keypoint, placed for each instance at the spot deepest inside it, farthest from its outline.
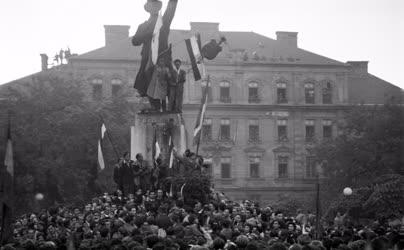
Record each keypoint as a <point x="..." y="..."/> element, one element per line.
<point x="103" y="130"/>
<point x="156" y="38"/>
<point x="198" y="129"/>
<point x="157" y="150"/>
<point x="183" y="137"/>
<point x="198" y="56"/>
<point x="100" y="156"/>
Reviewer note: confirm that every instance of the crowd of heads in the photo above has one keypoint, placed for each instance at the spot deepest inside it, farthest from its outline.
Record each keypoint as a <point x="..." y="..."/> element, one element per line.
<point x="156" y="221"/>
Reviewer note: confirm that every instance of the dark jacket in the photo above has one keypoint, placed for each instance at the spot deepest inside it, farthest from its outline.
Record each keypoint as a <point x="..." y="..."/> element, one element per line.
<point x="144" y="35"/>
<point x="118" y="176"/>
<point x="178" y="78"/>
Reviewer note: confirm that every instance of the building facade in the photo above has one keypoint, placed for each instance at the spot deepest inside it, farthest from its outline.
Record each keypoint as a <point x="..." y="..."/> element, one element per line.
<point x="269" y="102"/>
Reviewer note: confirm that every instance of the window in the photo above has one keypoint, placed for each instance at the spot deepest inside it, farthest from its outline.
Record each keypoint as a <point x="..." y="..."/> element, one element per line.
<point x="311" y="170"/>
<point x="207" y="164"/>
<point x="309" y="93"/>
<point x="281" y="93"/>
<point x="310" y="130"/>
<point x="254" y="131"/>
<point x="327" y="129"/>
<point x="254" y="167"/>
<point x="225" y="92"/>
<point x="225" y="130"/>
<point x="253" y="96"/>
<point x="116" y="87"/>
<point x="327" y="93"/>
<point x="207" y="130"/>
<point x="225" y="163"/>
<point x="97" y="89"/>
<point x="283" y="166"/>
<point x="209" y="91"/>
<point x="282" y="130"/>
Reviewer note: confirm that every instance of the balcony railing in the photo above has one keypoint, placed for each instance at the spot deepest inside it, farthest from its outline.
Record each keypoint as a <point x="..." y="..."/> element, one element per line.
<point x="254" y="141"/>
<point x="282" y="100"/>
<point x="283" y="138"/>
<point x="310" y="139"/>
<point x="254" y="99"/>
<point x="225" y="99"/>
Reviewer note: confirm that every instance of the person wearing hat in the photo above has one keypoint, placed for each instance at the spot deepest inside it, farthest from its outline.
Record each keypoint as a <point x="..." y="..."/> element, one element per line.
<point x="144" y="36"/>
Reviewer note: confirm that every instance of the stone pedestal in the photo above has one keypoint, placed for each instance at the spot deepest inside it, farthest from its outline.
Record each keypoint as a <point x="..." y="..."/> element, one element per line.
<point x="165" y="125"/>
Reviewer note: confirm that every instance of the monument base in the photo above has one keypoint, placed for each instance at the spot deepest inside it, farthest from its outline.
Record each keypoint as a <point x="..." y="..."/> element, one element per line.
<point x="162" y="125"/>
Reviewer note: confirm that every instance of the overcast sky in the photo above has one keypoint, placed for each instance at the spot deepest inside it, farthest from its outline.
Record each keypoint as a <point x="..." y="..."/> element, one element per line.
<point x="369" y="30"/>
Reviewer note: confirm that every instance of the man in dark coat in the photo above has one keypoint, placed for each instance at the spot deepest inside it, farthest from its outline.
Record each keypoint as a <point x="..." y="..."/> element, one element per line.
<point x="118" y="174"/>
<point x="127" y="175"/>
<point x="176" y="89"/>
<point x="144" y="36"/>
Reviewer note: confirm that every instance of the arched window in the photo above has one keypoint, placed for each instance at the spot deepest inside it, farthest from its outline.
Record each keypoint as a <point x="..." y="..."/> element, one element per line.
<point x="116" y="87"/>
<point x="283" y="165"/>
<point x="281" y="92"/>
<point x="327" y="93"/>
<point x="310" y="130"/>
<point x="225" y="92"/>
<point x="203" y="85"/>
<point x="309" y="93"/>
<point x="207" y="129"/>
<point x="253" y="131"/>
<point x="254" y="161"/>
<point x="224" y="130"/>
<point x="253" y="96"/>
<point x="225" y="165"/>
<point x="311" y="168"/>
<point x="97" y="88"/>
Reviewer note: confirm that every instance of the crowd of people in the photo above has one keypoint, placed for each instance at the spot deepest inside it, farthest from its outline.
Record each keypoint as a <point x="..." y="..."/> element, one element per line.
<point x="155" y="220"/>
<point x="146" y="213"/>
<point x="131" y="176"/>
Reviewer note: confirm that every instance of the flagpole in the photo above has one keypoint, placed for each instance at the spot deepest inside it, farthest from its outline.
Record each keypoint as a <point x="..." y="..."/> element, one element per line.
<point x="203" y="118"/>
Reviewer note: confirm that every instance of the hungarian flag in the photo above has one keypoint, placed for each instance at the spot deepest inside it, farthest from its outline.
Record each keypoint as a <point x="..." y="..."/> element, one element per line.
<point x="101" y="161"/>
<point x="7" y="191"/>
<point x="183" y="135"/>
<point x="201" y="115"/>
<point x="171" y="150"/>
<point x="156" y="147"/>
<point x="195" y="55"/>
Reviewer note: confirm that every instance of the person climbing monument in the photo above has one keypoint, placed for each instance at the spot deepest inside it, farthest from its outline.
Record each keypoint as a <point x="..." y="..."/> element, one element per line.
<point x="152" y="35"/>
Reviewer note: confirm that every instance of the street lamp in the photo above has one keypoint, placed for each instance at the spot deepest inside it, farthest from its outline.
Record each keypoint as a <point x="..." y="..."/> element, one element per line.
<point x="347" y="191"/>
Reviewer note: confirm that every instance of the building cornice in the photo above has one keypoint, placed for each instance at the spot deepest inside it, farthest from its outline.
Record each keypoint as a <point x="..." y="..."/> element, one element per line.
<point x="268" y="107"/>
<point x="242" y="64"/>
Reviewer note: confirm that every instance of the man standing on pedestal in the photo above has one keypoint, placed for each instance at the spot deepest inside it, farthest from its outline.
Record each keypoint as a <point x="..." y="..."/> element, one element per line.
<point x="144" y="36"/>
<point x="176" y="89"/>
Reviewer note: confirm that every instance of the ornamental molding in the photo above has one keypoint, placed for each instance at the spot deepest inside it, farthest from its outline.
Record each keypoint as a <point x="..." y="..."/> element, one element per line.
<point x="282" y="149"/>
<point x="254" y="149"/>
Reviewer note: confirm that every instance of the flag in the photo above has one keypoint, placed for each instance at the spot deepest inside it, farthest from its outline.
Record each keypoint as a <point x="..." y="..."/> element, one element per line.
<point x="201" y="115"/>
<point x="156" y="38"/>
<point x="171" y="194"/>
<point x="235" y="133"/>
<point x="156" y="147"/>
<point x="7" y="190"/>
<point x="101" y="161"/>
<point x="183" y="135"/>
<point x="194" y="51"/>
<point x="8" y="159"/>
<point x="182" y="190"/>
<point x="171" y="150"/>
